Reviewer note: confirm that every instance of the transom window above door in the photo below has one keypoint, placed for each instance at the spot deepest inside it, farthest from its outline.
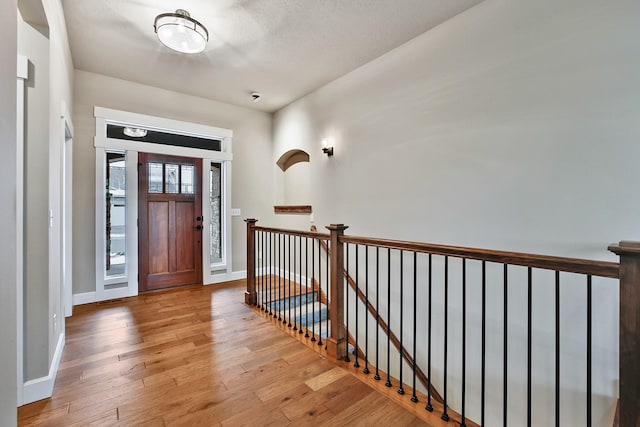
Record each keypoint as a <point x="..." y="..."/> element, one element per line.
<point x="155" y="136"/>
<point x="171" y="178"/>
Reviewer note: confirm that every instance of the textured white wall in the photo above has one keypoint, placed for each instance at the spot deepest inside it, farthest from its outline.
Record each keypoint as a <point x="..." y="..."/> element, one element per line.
<point x="512" y="116"/>
<point x="512" y="126"/>
<point x="251" y="168"/>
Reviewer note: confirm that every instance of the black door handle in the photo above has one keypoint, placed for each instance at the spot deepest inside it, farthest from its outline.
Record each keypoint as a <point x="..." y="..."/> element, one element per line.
<point x="198" y="218"/>
<point x="197" y="227"/>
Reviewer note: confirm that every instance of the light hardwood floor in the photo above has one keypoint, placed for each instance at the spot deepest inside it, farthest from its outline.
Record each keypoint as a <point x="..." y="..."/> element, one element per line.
<point x="198" y="356"/>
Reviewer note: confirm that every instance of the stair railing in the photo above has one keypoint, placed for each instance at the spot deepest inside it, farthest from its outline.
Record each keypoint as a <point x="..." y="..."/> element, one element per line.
<point x="288" y="278"/>
<point x="385" y="329"/>
<point x="438" y="291"/>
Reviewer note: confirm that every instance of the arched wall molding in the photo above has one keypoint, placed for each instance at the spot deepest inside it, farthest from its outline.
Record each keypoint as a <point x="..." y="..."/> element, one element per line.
<point x="292" y="157"/>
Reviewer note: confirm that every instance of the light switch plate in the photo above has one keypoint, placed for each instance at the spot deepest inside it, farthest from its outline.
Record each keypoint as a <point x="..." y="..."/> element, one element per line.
<point x="235" y="212"/>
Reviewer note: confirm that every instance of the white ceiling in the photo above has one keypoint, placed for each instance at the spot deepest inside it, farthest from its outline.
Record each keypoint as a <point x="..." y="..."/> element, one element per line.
<point x="283" y="49"/>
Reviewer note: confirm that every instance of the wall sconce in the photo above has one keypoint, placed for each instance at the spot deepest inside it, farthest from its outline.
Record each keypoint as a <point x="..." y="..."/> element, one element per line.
<point x="327" y="148"/>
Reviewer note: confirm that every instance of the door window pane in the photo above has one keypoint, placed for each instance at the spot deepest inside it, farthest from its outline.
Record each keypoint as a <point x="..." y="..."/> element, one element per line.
<point x="186" y="179"/>
<point x="215" y="206"/>
<point x="155" y="177"/>
<point x="115" y="215"/>
<point x="170" y="178"/>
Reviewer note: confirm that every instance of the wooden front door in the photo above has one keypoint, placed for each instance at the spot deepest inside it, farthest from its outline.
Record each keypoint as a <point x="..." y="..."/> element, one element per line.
<point x="170" y="221"/>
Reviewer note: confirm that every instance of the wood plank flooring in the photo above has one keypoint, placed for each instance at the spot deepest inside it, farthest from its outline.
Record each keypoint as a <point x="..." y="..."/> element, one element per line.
<point x="198" y="356"/>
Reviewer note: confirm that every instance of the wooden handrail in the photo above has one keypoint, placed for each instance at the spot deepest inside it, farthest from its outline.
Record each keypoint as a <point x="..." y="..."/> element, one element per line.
<point x="311" y="234"/>
<point x="569" y="265"/>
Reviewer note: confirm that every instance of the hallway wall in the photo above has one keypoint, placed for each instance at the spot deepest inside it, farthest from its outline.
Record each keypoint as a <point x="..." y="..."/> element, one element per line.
<point x="512" y="126"/>
<point x="8" y="54"/>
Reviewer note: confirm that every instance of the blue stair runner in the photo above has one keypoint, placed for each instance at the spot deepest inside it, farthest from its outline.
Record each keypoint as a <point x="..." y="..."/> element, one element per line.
<point x="314" y="313"/>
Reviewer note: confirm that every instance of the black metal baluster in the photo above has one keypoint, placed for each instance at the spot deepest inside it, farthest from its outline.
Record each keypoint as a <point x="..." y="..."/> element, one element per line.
<point x="264" y="267"/>
<point x="445" y="416"/>
<point x="273" y="278"/>
<point x="529" y="335"/>
<point x="284" y="279"/>
<point x="356" y="364"/>
<point x="279" y="295"/>
<point x="274" y="294"/>
<point x="400" y="386"/>
<point x="505" y="348"/>
<point x="557" y="349"/>
<point x="280" y="281"/>
<point x="346" y="296"/>
<point x="320" y="290"/>
<point x="377" y="375"/>
<point x="366" y="310"/>
<point x="589" y="361"/>
<point x="262" y="281"/>
<point x="414" y="398"/>
<point x="388" y="383"/>
<point x="464" y="340"/>
<point x="258" y="272"/>
<point x="313" y="282"/>
<point x="300" y="287"/>
<point x="295" y="297"/>
<point x="328" y="292"/>
<point x="265" y="256"/>
<point x="483" y="387"/>
<point x="264" y="278"/>
<point x="269" y="273"/>
<point x="285" y="288"/>
<point x="306" y="292"/>
<point x="258" y="275"/>
<point x="429" y="407"/>
<point x="289" y="282"/>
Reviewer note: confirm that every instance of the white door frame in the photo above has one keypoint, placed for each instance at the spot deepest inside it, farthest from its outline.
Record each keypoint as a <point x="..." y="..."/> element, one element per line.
<point x="106" y="116"/>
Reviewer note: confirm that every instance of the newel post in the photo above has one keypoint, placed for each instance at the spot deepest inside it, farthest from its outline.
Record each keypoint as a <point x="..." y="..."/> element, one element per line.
<point x="629" y="253"/>
<point x="250" y="295"/>
<point x="337" y="341"/>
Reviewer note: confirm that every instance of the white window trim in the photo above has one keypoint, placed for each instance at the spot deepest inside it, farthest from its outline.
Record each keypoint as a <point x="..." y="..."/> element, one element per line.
<point x="221" y="271"/>
<point x="106" y="116"/>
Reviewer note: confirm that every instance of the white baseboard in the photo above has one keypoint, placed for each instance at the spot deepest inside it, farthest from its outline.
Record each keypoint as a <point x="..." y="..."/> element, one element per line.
<point x="84" y="298"/>
<point x="41" y="388"/>
<point x="228" y="277"/>
<point x="298" y="278"/>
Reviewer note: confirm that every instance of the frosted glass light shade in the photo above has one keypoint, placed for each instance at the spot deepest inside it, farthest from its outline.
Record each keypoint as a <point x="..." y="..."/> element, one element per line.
<point x="134" y="132"/>
<point x="180" y="32"/>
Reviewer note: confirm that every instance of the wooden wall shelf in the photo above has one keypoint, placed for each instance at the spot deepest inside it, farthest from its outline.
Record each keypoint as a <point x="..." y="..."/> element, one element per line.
<point x="292" y="209"/>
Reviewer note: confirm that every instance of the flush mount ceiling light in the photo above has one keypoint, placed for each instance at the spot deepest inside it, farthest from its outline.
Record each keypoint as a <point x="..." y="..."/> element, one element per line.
<point x="180" y="32"/>
<point x="134" y="132"/>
